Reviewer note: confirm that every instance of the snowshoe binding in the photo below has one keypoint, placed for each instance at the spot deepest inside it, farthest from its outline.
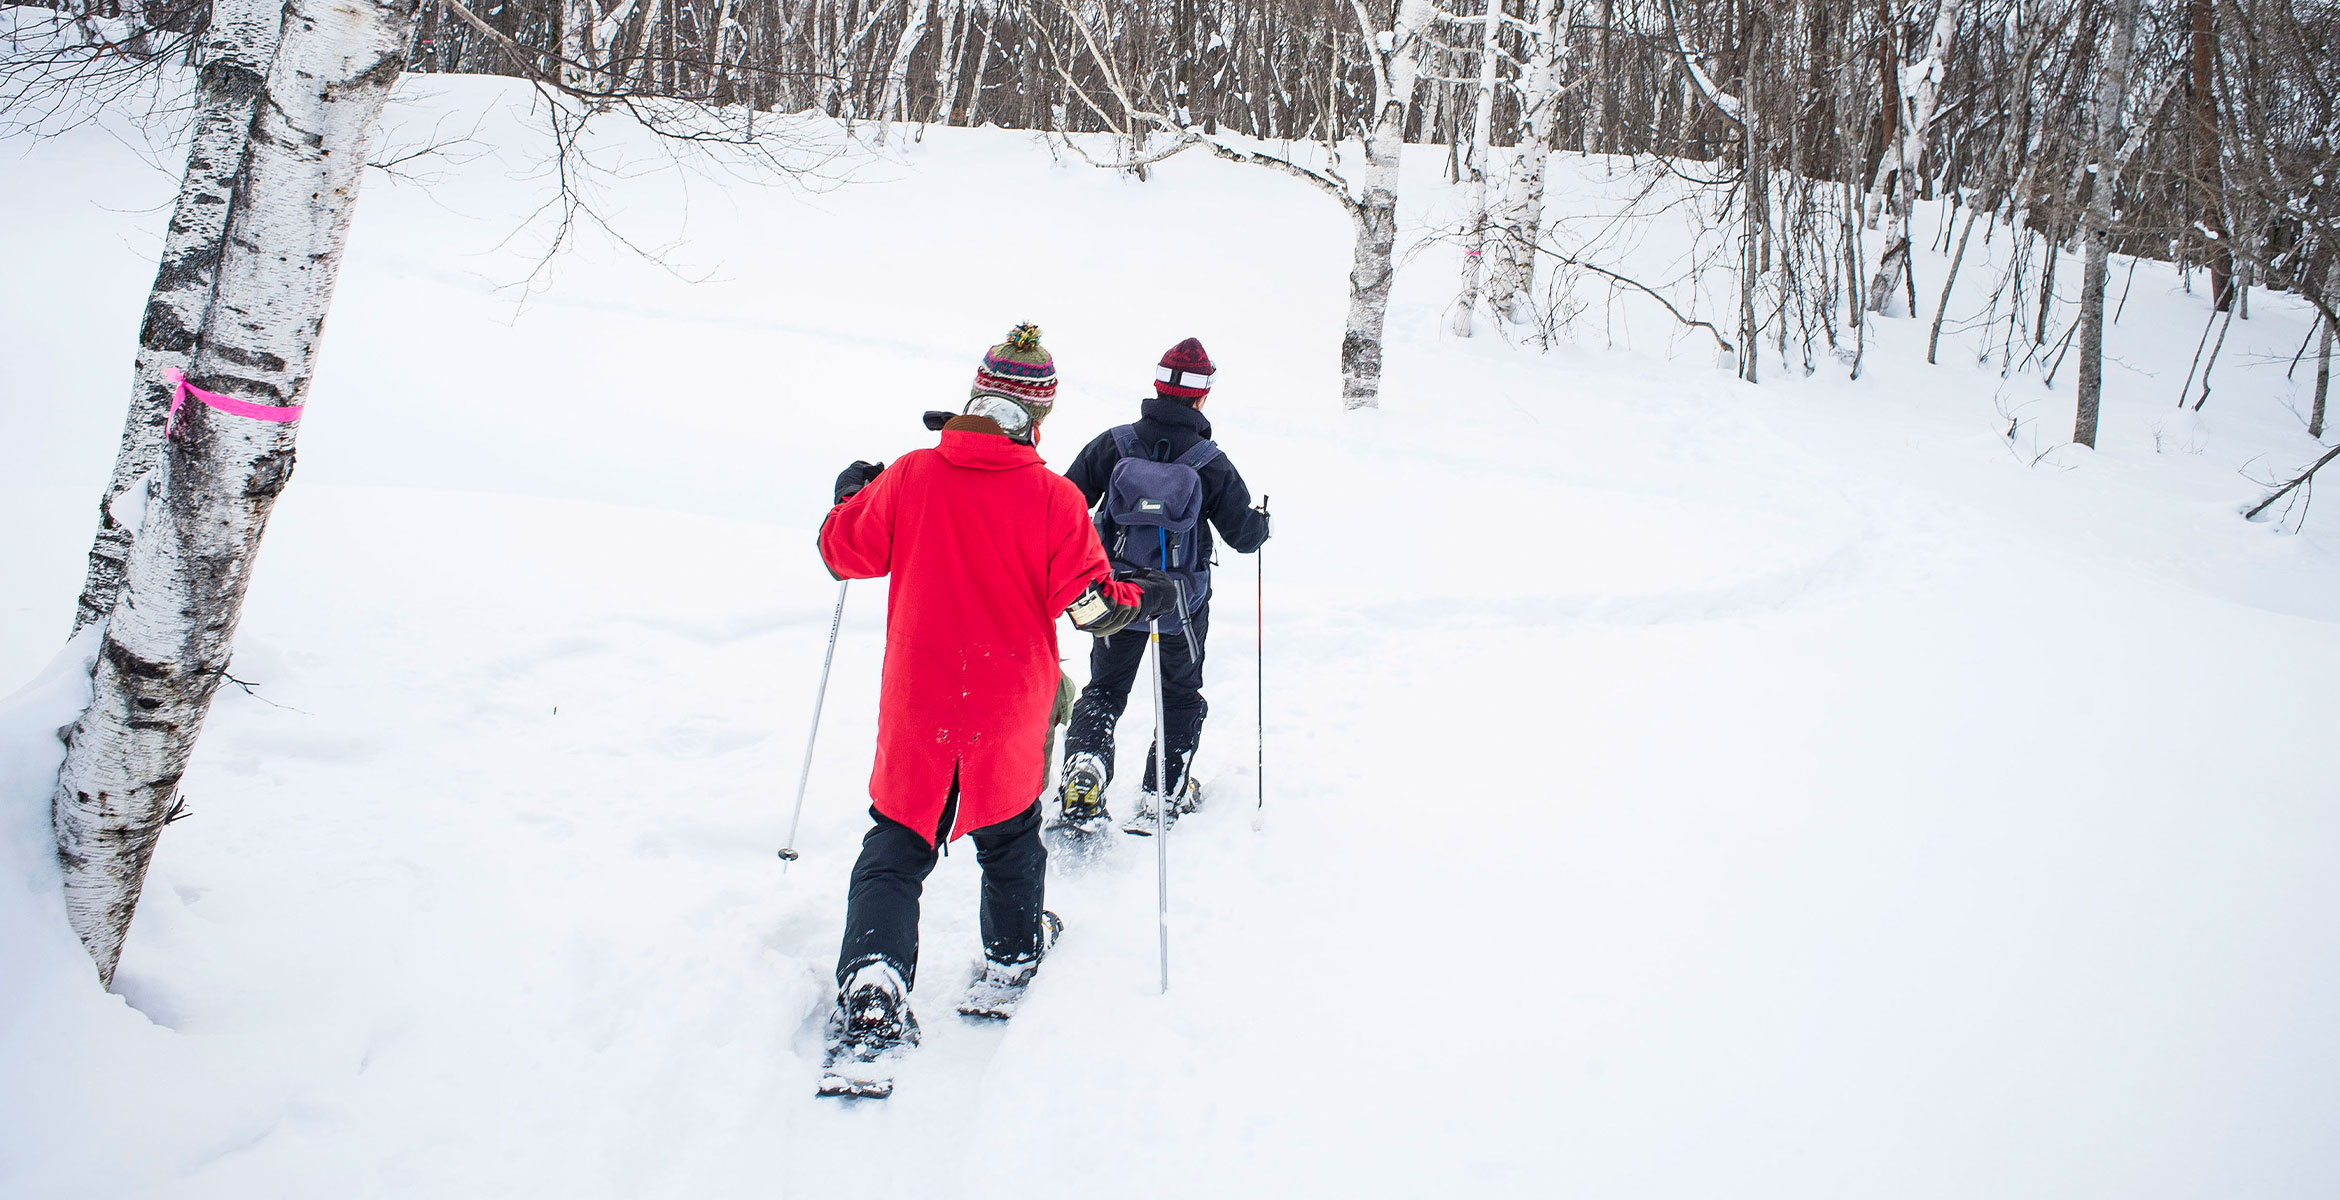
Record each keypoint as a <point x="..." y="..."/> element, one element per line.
<point x="998" y="987"/>
<point x="868" y="1031"/>
<point x="1142" y="822"/>
<point x="1080" y="800"/>
<point x="1080" y="811"/>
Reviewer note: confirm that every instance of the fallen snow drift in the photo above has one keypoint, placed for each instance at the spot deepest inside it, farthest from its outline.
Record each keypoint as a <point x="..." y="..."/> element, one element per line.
<point x="1674" y="788"/>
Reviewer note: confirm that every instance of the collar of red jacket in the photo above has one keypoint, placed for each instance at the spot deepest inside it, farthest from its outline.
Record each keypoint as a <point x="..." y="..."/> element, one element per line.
<point x="979" y="442"/>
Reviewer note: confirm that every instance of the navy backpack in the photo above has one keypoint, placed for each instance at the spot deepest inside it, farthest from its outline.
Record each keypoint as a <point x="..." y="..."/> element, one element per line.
<point x="1150" y="515"/>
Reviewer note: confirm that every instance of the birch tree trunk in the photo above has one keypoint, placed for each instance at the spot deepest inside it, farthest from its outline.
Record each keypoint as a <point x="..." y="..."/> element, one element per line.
<point x="577" y="28"/>
<point x="2112" y="92"/>
<point x="1921" y="89"/>
<point x="237" y="49"/>
<point x="1511" y="278"/>
<point x="982" y="65"/>
<point x="1396" y="63"/>
<point x="171" y="630"/>
<point x="892" y="106"/>
<point x="643" y="68"/>
<point x="1482" y="148"/>
<point x="1754" y="201"/>
<point x="719" y="65"/>
<point x="2324" y="354"/>
<point x="1889" y="98"/>
<point x="2203" y="35"/>
<point x="946" y="63"/>
<point x="606" y="32"/>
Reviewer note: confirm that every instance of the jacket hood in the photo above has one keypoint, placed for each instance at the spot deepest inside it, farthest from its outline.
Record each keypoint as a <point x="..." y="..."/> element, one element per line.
<point x="1174" y="412"/>
<point x="979" y="442"/>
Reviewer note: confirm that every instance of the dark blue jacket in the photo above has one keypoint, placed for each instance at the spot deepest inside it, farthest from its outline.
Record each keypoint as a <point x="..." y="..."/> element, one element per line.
<point x="1168" y="428"/>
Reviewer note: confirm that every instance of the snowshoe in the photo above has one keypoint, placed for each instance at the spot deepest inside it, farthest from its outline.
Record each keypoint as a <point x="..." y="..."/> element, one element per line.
<point x="868" y="1031"/>
<point x="1188" y="799"/>
<point x="998" y="988"/>
<point x="1080" y="800"/>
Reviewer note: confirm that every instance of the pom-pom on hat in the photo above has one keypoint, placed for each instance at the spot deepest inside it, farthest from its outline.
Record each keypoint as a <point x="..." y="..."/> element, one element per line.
<point x="1021" y="370"/>
<point x="1185" y="371"/>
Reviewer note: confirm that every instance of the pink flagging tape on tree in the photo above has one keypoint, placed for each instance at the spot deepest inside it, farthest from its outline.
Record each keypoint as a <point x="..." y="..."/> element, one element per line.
<point x="225" y="404"/>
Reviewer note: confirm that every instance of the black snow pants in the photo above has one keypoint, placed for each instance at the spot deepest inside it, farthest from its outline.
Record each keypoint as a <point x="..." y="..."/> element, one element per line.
<point x="881" y="904"/>
<point x="1113" y="669"/>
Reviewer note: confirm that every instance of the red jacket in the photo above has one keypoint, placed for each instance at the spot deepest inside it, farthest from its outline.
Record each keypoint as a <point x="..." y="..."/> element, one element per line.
<point x="986" y="546"/>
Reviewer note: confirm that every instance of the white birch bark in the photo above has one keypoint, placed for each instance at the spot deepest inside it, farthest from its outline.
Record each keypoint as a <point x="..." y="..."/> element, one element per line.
<point x="2112" y="92"/>
<point x="1754" y="204"/>
<point x="1511" y="276"/>
<point x="642" y="64"/>
<point x="892" y="105"/>
<point x="1921" y="89"/>
<point x="577" y="40"/>
<point x="606" y="31"/>
<point x="982" y="65"/>
<point x="170" y="633"/>
<point x="2324" y="354"/>
<point x="237" y="48"/>
<point x="1396" y="63"/>
<point x="1474" y="230"/>
<point x="720" y="78"/>
<point x="946" y="62"/>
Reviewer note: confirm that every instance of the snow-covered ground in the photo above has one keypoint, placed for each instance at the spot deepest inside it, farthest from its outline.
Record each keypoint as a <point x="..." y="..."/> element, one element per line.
<point x="1675" y="788"/>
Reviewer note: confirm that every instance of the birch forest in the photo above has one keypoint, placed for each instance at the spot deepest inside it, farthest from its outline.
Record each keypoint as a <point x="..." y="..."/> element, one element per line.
<point x="2198" y="132"/>
<point x="1808" y="129"/>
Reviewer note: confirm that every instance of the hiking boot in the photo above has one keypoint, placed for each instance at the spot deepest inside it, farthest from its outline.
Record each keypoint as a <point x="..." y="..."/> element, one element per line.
<point x="873" y="1011"/>
<point x="1190" y="795"/>
<point x="1188" y="799"/>
<point x="1081" y="799"/>
<point x="998" y="987"/>
<point x="1142" y="821"/>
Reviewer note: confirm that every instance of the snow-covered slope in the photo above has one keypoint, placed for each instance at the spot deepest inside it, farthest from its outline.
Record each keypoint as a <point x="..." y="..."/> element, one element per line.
<point x="1675" y="788"/>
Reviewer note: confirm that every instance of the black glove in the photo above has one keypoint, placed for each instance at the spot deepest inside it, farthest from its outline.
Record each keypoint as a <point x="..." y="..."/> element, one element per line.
<point x="1161" y="592"/>
<point x="1264" y="526"/>
<point x="854" y="478"/>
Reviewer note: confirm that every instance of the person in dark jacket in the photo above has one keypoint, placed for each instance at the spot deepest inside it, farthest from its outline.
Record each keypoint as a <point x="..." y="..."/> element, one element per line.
<point x="1169" y="424"/>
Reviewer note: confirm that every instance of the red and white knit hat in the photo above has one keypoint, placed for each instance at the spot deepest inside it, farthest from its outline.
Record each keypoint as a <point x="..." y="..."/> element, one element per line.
<point x="1185" y="371"/>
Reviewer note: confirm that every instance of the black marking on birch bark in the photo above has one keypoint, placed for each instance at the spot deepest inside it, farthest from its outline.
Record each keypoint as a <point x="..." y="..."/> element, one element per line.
<point x="271" y="473"/>
<point x="132" y="666"/>
<point x="162" y="329"/>
<point x="382" y="73"/>
<point x="230" y="79"/>
<point x="271" y="363"/>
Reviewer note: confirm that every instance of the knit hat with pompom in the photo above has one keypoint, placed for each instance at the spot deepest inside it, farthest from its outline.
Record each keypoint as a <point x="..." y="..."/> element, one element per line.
<point x="1019" y="370"/>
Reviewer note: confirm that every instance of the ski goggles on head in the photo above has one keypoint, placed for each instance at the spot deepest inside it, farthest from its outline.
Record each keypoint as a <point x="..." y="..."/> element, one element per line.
<point x="1010" y="416"/>
<point x="1177" y="378"/>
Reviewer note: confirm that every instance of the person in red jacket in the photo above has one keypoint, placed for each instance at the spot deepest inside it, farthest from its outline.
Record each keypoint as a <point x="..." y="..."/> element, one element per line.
<point x="984" y="546"/>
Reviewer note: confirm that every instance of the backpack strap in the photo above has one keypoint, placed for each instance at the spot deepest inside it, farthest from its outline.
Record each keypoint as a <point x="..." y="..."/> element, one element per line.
<point x="1125" y="440"/>
<point x="1199" y="457"/>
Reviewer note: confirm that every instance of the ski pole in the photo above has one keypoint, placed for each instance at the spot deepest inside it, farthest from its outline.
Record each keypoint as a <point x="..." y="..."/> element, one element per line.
<point x="1259" y="659"/>
<point x="837" y="619"/>
<point x="1161" y="809"/>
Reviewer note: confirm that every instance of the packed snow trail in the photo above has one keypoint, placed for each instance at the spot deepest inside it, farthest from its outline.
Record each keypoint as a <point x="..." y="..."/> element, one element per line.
<point x="1676" y="788"/>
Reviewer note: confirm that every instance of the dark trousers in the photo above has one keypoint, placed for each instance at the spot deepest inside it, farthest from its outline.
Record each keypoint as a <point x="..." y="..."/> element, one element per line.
<point x="881" y="904"/>
<point x="1113" y="669"/>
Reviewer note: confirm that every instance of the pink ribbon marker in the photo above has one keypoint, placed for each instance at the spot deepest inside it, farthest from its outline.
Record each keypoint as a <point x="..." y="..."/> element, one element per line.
<point x="225" y="404"/>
